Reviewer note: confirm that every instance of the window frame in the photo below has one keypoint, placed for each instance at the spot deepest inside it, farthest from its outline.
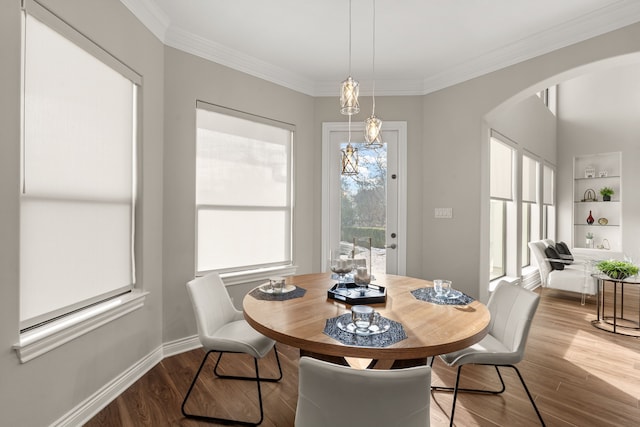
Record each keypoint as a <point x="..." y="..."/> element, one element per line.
<point x="40" y="335"/>
<point x="236" y="273"/>
<point x="507" y="200"/>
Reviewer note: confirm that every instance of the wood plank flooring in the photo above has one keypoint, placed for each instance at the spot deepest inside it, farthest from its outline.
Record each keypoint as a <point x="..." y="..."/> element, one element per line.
<point x="579" y="376"/>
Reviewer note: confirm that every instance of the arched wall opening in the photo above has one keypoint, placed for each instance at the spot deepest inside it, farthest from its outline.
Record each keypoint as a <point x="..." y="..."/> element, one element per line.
<point x="504" y="107"/>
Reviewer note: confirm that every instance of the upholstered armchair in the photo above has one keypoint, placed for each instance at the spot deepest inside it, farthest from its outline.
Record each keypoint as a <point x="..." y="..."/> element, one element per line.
<point x="561" y="273"/>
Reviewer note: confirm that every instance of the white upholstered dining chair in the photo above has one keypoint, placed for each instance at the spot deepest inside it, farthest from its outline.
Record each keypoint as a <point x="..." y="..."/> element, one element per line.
<point x="223" y="329"/>
<point x="331" y="395"/>
<point x="512" y="308"/>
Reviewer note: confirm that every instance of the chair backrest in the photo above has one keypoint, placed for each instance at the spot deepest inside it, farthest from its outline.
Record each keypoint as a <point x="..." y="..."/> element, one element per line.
<point x="334" y="395"/>
<point x="512" y="308"/>
<point x="212" y="305"/>
<point x="544" y="267"/>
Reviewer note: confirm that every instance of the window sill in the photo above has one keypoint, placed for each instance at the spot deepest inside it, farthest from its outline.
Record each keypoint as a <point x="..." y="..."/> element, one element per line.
<point x="242" y="277"/>
<point x="43" y="339"/>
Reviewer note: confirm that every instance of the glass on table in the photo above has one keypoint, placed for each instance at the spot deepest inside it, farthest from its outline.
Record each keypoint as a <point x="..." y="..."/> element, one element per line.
<point x="362" y="317"/>
<point x="441" y="287"/>
<point x="277" y="284"/>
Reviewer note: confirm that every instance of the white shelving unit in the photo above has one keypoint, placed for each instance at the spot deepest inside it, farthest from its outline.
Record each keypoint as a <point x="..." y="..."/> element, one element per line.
<point x="593" y="172"/>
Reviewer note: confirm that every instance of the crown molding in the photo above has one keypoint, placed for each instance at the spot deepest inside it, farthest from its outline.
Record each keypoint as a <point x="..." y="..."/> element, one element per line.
<point x="598" y="22"/>
<point x="220" y="54"/>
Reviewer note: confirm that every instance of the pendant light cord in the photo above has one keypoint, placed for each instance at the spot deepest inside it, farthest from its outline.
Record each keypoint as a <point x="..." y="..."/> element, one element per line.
<point x="374" y="59"/>
<point x="349" y="37"/>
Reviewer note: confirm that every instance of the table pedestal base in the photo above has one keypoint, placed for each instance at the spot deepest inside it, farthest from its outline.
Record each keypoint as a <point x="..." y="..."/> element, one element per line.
<point x="359" y="363"/>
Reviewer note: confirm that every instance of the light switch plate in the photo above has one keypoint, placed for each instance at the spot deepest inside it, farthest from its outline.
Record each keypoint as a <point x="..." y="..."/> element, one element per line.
<point x="443" y="213"/>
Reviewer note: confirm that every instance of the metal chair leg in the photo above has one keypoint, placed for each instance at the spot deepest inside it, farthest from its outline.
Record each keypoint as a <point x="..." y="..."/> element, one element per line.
<point x="528" y="394"/>
<point x="257" y="379"/>
<point x="234" y="377"/>
<point x="457" y="389"/>
<point x="473" y="390"/>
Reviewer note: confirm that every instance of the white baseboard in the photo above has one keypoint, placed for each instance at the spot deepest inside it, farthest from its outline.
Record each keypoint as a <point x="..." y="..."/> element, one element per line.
<point x="110" y="391"/>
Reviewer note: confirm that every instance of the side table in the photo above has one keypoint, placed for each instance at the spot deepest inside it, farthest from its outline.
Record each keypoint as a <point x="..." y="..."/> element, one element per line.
<point x="611" y="317"/>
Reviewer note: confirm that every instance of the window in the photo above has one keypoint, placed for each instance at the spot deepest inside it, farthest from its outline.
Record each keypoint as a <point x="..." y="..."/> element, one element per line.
<point x="548" y="200"/>
<point x="77" y="203"/>
<point x="530" y="207"/>
<point x="243" y="191"/>
<point x="498" y="238"/>
<point x="501" y="192"/>
<point x="548" y="97"/>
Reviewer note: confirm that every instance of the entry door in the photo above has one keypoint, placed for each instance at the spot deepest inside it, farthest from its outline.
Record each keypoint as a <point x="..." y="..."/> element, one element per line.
<point x="371" y="203"/>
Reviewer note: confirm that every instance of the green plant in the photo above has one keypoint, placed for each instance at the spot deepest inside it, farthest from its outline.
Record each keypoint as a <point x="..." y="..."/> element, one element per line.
<point x="589" y="235"/>
<point x="606" y="191"/>
<point x="617" y="269"/>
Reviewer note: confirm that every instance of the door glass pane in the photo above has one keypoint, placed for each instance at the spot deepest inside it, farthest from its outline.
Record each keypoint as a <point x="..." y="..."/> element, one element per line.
<point x="363" y="204"/>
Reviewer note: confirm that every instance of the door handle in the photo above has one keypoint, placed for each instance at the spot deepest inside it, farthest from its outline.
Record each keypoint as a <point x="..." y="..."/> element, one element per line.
<point x="391" y="246"/>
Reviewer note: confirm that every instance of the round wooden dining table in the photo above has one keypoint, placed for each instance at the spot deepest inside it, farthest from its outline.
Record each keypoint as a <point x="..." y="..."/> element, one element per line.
<point x="431" y="329"/>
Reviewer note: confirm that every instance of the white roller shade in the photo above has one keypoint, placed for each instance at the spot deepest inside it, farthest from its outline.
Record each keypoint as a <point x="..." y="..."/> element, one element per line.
<point x="547" y="185"/>
<point x="243" y="191"/>
<point x="501" y="174"/>
<point x="78" y="177"/>
<point x="529" y="180"/>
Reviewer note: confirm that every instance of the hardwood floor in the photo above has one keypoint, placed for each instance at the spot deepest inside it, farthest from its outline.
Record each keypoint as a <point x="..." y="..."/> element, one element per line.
<point x="578" y="375"/>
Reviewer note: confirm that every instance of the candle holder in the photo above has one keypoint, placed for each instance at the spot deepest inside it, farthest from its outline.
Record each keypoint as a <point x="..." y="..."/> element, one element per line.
<point x="341" y="265"/>
<point x="362" y="255"/>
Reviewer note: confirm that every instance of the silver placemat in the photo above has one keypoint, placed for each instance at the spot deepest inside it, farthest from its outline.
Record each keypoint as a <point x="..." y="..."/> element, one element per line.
<point x="296" y="293"/>
<point x="393" y="335"/>
<point x="429" y="295"/>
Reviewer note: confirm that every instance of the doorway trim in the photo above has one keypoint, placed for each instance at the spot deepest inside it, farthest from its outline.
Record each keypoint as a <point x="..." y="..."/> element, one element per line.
<point x="400" y="171"/>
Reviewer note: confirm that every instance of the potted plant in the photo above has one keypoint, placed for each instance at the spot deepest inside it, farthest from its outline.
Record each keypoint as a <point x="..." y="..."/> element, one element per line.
<point x="617" y="269"/>
<point x="589" y="239"/>
<point x="606" y="193"/>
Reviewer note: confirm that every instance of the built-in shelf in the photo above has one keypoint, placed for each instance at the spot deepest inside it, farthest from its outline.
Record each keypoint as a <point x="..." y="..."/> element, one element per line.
<point x="593" y="172"/>
<point x="595" y="178"/>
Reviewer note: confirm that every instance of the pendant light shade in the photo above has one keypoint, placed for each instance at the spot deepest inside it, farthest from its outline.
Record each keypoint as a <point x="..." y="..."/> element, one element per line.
<point x="372" y="128"/>
<point x="349" y="156"/>
<point x="349" y="160"/>
<point x="349" y="91"/>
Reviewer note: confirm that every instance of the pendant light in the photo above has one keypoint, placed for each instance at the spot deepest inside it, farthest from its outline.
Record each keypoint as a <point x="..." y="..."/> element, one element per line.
<point x="373" y="125"/>
<point x="349" y="89"/>
<point x="349" y="157"/>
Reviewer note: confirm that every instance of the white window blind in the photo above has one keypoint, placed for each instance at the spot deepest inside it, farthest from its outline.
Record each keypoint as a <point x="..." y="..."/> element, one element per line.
<point x="243" y="191"/>
<point x="547" y="185"/>
<point x="78" y="172"/>
<point x="501" y="170"/>
<point x="529" y="179"/>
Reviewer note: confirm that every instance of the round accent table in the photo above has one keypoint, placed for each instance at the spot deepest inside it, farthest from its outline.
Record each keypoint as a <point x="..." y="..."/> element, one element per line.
<point x="614" y="313"/>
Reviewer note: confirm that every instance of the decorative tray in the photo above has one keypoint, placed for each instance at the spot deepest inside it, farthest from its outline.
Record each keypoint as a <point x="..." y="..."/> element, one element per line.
<point x="351" y="295"/>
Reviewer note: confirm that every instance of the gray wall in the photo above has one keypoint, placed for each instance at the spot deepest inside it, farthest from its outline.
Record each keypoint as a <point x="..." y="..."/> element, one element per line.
<point x="600" y="113"/>
<point x="447" y="168"/>
<point x="531" y="124"/>
<point x="187" y="79"/>
<point x="455" y="152"/>
<point x="40" y="391"/>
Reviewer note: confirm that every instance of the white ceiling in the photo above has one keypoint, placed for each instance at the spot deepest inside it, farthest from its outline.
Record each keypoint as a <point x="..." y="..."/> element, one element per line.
<point x="421" y="45"/>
